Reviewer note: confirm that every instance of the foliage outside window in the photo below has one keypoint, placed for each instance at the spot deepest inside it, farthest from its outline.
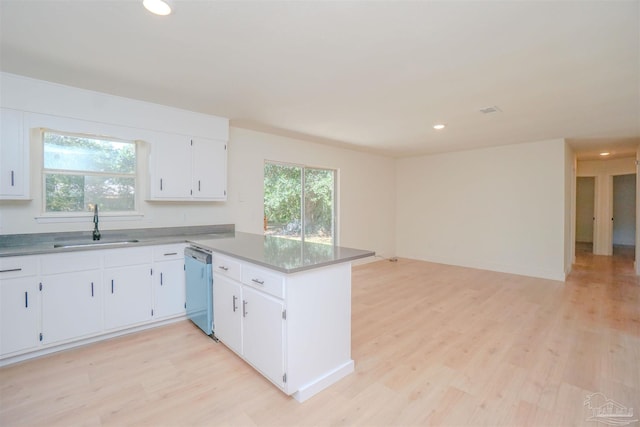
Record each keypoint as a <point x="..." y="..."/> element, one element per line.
<point x="299" y="202"/>
<point x="80" y="172"/>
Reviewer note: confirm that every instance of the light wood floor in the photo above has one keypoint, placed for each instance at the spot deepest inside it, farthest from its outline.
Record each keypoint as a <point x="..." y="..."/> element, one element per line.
<point x="433" y="345"/>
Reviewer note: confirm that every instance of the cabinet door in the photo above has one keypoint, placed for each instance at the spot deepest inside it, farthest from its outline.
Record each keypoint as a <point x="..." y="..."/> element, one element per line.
<point x="127" y="293"/>
<point x="209" y="169"/>
<point x="263" y="333"/>
<point x="169" y="288"/>
<point x="227" y="312"/>
<point x="71" y="306"/>
<point x="19" y="314"/>
<point x="171" y="168"/>
<point x="12" y="155"/>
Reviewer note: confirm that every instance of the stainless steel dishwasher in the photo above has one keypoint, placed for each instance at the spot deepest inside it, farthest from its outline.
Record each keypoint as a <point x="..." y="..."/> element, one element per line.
<point x="199" y="278"/>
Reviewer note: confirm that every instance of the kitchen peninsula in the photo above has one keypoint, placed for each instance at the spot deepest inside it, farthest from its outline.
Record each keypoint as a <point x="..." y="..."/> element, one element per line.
<point x="284" y="306"/>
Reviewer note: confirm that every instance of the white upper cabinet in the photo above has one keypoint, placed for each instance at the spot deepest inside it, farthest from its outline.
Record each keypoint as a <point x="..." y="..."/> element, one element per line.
<point x="14" y="156"/>
<point x="188" y="169"/>
<point x="170" y="168"/>
<point x="209" y="169"/>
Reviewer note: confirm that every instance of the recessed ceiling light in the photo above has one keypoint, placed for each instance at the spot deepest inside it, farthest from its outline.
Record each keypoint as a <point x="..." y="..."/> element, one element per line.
<point x="159" y="7"/>
<point x="605" y="153"/>
<point x="439" y="126"/>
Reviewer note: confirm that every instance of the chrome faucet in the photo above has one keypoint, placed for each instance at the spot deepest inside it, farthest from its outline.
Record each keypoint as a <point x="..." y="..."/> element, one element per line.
<point x="96" y="232"/>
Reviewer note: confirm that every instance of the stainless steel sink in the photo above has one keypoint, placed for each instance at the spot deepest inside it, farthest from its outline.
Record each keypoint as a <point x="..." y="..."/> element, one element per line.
<point x="92" y="243"/>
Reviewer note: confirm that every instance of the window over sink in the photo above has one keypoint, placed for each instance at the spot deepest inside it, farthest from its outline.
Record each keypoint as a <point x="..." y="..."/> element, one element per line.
<point x="80" y="171"/>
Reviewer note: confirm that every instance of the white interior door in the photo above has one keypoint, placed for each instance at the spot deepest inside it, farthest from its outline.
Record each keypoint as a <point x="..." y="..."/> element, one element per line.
<point x="585" y="205"/>
<point x="624" y="210"/>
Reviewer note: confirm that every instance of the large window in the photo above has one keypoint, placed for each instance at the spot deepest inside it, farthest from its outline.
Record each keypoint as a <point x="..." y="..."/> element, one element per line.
<point x="80" y="172"/>
<point x="299" y="202"/>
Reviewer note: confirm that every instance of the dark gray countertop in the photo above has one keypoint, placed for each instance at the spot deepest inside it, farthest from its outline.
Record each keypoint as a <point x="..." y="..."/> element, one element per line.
<point x="277" y="253"/>
<point x="45" y="243"/>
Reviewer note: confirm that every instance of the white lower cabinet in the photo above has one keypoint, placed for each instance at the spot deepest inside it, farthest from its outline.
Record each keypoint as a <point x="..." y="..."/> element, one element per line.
<point x="227" y="312"/>
<point x="127" y="296"/>
<point x="169" y="293"/>
<point x="249" y="321"/>
<point x="71" y="306"/>
<point x="53" y="300"/>
<point x="295" y="329"/>
<point x="127" y="287"/>
<point x="70" y="292"/>
<point x="19" y="305"/>
<point x="262" y="334"/>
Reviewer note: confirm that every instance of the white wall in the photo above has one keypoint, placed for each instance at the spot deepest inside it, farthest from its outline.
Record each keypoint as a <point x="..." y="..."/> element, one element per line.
<point x="366" y="182"/>
<point x="637" y="168"/>
<point x="366" y="199"/>
<point x="26" y="94"/>
<point x="500" y="208"/>
<point x="71" y="109"/>
<point x="603" y="171"/>
<point x="570" y="166"/>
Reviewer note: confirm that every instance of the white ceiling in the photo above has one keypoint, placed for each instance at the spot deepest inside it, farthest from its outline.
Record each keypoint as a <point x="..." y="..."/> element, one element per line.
<point x="375" y="75"/>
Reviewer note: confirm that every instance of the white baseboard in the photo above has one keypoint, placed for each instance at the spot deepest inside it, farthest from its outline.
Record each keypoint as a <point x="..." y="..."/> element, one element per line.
<point x="311" y="389"/>
<point x="54" y="348"/>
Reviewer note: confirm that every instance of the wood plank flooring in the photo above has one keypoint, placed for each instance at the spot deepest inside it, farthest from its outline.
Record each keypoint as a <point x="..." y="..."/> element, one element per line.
<point x="433" y="345"/>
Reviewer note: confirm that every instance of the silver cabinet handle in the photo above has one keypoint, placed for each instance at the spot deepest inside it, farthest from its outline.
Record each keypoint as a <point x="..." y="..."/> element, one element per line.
<point x="10" y="270"/>
<point x="223" y="268"/>
<point x="244" y="308"/>
<point x="258" y="281"/>
<point x="26" y="300"/>
<point x="171" y="253"/>
<point x="234" y="303"/>
<point x="12" y="180"/>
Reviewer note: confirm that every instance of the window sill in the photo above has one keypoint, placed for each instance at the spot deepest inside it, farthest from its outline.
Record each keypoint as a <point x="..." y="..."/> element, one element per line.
<point x="87" y="217"/>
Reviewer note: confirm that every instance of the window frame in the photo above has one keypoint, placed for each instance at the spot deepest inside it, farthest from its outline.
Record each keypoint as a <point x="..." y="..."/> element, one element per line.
<point x="71" y="216"/>
<point x="303" y="167"/>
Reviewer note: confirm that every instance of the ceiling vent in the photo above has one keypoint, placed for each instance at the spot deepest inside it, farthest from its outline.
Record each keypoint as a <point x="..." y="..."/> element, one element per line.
<point x="489" y="110"/>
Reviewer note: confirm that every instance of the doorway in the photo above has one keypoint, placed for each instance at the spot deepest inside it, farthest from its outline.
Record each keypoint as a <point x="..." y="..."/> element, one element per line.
<point x="585" y="215"/>
<point x="624" y="214"/>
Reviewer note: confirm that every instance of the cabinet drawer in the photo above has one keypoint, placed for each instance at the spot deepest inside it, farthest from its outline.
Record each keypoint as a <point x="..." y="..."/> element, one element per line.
<point x="127" y="256"/>
<point x="263" y="279"/>
<point x="227" y="267"/>
<point x="71" y="261"/>
<point x="18" y="266"/>
<point x="168" y="252"/>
